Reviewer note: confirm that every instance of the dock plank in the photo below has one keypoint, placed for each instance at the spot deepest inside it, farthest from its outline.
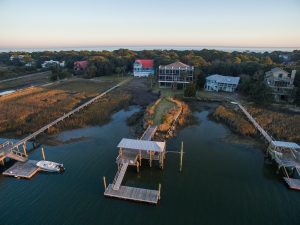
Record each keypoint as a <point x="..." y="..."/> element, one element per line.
<point x="133" y="193"/>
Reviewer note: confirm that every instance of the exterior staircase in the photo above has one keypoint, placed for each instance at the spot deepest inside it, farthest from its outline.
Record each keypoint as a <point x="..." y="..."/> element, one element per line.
<point x="119" y="176"/>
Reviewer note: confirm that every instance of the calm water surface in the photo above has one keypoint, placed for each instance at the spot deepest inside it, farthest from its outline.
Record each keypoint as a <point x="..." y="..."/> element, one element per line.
<point x="222" y="183"/>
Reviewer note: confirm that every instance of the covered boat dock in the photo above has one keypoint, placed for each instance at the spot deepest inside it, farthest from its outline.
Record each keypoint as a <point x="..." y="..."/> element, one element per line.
<point x="131" y="153"/>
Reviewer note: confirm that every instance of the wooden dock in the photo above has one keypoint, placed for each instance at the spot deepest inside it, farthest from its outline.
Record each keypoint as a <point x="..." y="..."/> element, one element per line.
<point x="293" y="183"/>
<point x="131" y="153"/>
<point x="255" y="124"/>
<point x="22" y="169"/>
<point x="149" y="133"/>
<point x="133" y="194"/>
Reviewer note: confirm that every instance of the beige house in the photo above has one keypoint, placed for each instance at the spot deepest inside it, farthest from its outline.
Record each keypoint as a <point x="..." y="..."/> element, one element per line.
<point x="282" y="83"/>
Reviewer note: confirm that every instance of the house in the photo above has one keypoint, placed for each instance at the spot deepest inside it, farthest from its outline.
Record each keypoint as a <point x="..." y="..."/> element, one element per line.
<point x="20" y="58"/>
<point x="80" y="65"/>
<point x="175" y="74"/>
<point x="50" y="63"/>
<point x="143" y="68"/>
<point x="282" y="84"/>
<point x="218" y="82"/>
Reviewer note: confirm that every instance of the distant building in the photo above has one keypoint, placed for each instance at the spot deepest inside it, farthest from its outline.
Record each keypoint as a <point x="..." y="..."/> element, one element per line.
<point x="282" y="83"/>
<point x="221" y="83"/>
<point x="80" y="65"/>
<point x="17" y="57"/>
<point x="143" y="68"/>
<point x="175" y="74"/>
<point x="50" y="63"/>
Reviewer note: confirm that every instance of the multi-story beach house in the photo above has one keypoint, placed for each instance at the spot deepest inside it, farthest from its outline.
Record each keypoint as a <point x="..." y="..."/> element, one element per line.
<point x="282" y="84"/>
<point x="218" y="82"/>
<point x="143" y="67"/>
<point x="175" y="74"/>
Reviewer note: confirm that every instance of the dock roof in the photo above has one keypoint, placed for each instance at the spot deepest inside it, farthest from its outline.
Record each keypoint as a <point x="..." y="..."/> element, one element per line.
<point x="284" y="144"/>
<point x="142" y="145"/>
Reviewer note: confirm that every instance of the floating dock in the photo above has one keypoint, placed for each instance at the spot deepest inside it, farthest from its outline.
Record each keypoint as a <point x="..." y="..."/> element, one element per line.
<point x="133" y="193"/>
<point x="22" y="169"/>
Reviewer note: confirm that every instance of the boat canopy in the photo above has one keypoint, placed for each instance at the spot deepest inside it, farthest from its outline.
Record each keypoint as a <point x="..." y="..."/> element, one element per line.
<point x="142" y="145"/>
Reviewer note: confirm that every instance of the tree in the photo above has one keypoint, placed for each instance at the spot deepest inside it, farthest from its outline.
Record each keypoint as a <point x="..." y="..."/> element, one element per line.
<point x="190" y="90"/>
<point x="200" y="78"/>
<point x="256" y="89"/>
<point x="91" y="71"/>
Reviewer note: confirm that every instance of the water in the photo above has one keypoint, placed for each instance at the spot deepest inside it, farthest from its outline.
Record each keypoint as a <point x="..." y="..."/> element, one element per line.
<point x="140" y="48"/>
<point x="222" y="183"/>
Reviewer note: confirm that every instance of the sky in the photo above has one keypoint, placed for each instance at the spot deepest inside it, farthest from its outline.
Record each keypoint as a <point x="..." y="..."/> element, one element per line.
<point x="88" y="23"/>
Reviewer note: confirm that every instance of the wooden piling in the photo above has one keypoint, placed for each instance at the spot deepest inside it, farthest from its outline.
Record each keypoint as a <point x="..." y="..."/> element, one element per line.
<point x="43" y="154"/>
<point x="150" y="158"/>
<point x="181" y="157"/>
<point x="24" y="149"/>
<point x="159" y="190"/>
<point x="104" y="182"/>
<point x="137" y="167"/>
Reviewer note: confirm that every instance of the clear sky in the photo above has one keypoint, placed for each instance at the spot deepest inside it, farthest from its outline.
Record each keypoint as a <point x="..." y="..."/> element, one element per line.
<point x="84" y="23"/>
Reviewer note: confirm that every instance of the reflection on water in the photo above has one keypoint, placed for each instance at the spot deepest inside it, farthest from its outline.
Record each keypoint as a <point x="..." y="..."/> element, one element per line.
<point x="221" y="183"/>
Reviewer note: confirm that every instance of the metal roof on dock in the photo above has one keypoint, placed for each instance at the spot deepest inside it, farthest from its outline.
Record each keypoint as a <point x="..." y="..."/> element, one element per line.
<point x="284" y="144"/>
<point x="142" y="145"/>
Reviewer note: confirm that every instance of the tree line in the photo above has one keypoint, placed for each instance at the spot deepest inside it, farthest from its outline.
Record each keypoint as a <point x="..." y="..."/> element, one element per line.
<point x="249" y="65"/>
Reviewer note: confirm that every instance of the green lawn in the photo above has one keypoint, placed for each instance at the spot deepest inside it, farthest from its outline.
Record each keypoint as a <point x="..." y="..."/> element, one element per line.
<point x="161" y="109"/>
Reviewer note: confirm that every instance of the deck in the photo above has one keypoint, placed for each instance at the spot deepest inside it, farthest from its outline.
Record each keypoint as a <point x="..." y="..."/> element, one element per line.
<point x="133" y="193"/>
<point x="22" y="169"/>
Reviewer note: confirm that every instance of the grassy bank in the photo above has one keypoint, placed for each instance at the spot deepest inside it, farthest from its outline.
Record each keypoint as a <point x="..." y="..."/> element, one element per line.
<point x="282" y="125"/>
<point x="26" y="111"/>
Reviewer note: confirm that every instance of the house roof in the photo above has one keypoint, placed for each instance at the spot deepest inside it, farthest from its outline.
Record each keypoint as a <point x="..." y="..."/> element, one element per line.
<point x="146" y="63"/>
<point x="224" y="79"/>
<point x="285" y="144"/>
<point x="81" y="64"/>
<point x="277" y="69"/>
<point x="176" y="65"/>
<point x="142" y="145"/>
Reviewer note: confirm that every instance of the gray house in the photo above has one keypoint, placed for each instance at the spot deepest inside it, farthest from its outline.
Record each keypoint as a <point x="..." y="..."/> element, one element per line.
<point x="282" y="84"/>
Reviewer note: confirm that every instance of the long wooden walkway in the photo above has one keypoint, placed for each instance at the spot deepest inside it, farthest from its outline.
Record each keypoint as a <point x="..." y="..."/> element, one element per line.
<point x="14" y="147"/>
<point x="288" y="160"/>
<point x="256" y="125"/>
<point x="149" y="133"/>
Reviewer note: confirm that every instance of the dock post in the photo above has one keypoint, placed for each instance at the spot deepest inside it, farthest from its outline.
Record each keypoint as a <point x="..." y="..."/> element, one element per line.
<point x="150" y="158"/>
<point x="104" y="182"/>
<point x="181" y="157"/>
<point x="159" y="190"/>
<point x="24" y="149"/>
<point x="43" y="154"/>
<point x="140" y="156"/>
<point x="137" y="167"/>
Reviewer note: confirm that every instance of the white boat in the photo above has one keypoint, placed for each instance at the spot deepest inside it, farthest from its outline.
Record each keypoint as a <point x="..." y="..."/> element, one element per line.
<point x="50" y="166"/>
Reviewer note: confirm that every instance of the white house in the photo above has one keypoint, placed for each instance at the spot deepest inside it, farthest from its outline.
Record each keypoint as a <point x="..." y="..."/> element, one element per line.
<point x="143" y="67"/>
<point x="51" y="63"/>
<point x="221" y="83"/>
